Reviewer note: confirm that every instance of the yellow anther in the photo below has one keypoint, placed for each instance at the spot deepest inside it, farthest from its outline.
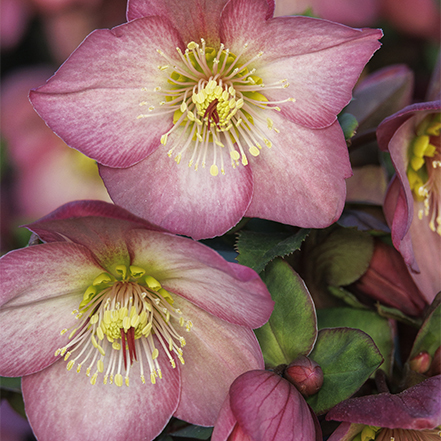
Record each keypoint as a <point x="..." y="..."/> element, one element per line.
<point x="79" y="368"/>
<point x="119" y="380"/>
<point x="127" y="381"/>
<point x="214" y="171"/>
<point x="155" y="353"/>
<point x="136" y="271"/>
<point x="420" y="145"/>
<point x="68" y="354"/>
<point x="100" y="365"/>
<point x="122" y="271"/>
<point x="153" y="378"/>
<point x="70" y="365"/>
<point x="142" y="379"/>
<point x="164" y="139"/>
<point x="93" y="379"/>
<point x="254" y="150"/>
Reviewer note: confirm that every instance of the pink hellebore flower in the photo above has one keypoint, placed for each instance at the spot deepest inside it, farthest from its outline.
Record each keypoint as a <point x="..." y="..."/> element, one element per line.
<point x="111" y="296"/>
<point x="203" y="114"/>
<point x="262" y="406"/>
<point x="413" y="201"/>
<point x="414" y="414"/>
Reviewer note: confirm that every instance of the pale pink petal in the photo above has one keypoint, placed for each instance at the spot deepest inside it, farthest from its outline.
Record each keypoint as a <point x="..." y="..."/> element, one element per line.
<point x="267" y="407"/>
<point x="198" y="19"/>
<point x="180" y="199"/>
<point x="399" y="217"/>
<point x="215" y="354"/>
<point x="97" y="225"/>
<point x="44" y="271"/>
<point x="426" y="246"/>
<point x="63" y="405"/>
<point x="32" y="332"/>
<point x="93" y="101"/>
<point x="418" y="407"/>
<point x="200" y="275"/>
<point x="225" y="422"/>
<point x="40" y="286"/>
<point x="301" y="179"/>
<point x="320" y="60"/>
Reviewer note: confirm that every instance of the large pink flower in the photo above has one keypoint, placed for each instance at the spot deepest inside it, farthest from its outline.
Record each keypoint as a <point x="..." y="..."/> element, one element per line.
<point x="200" y="115"/>
<point x="413" y="201"/>
<point x="114" y="297"/>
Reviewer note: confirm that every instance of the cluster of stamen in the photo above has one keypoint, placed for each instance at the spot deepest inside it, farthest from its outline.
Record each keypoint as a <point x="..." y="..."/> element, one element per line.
<point x="370" y="433"/>
<point x="216" y="102"/>
<point x="121" y="321"/>
<point x="424" y="170"/>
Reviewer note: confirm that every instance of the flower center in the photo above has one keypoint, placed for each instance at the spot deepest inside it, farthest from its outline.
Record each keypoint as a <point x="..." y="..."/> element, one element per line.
<point x="118" y="318"/>
<point x="216" y="101"/>
<point x="370" y="433"/>
<point x="424" y="169"/>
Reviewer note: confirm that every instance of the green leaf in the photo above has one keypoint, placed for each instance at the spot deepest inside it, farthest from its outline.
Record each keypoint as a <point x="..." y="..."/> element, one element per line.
<point x="347" y="358"/>
<point x="292" y="327"/>
<point x="11" y="383"/>
<point x="343" y="257"/>
<point x="257" y="249"/>
<point x="196" y="432"/>
<point x="349" y="298"/>
<point x="349" y="124"/>
<point x="429" y="337"/>
<point x="378" y="328"/>
<point x="396" y="314"/>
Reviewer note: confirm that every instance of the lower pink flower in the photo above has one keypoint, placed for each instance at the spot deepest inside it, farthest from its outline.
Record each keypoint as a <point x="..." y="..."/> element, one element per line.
<point x="117" y="326"/>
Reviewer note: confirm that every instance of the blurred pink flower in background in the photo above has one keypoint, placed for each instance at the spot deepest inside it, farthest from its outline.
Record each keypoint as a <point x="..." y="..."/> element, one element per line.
<point x="48" y="173"/>
<point x="420" y="18"/>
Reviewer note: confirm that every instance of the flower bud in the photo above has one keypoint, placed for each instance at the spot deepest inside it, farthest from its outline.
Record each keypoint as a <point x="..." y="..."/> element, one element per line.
<point x="305" y="374"/>
<point x="421" y="362"/>
<point x="435" y="367"/>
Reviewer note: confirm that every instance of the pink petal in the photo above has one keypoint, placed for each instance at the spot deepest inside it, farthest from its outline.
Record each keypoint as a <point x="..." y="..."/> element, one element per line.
<point x="415" y="408"/>
<point x="225" y="423"/>
<point x="40" y="286"/>
<point x="427" y="250"/>
<point x="399" y="216"/>
<point x="267" y="407"/>
<point x="198" y="19"/>
<point x="346" y="432"/>
<point x="215" y="354"/>
<point x="97" y="225"/>
<point x="197" y="273"/>
<point x="321" y="60"/>
<point x="180" y="199"/>
<point x="93" y="101"/>
<point x="301" y="179"/>
<point x="63" y="405"/>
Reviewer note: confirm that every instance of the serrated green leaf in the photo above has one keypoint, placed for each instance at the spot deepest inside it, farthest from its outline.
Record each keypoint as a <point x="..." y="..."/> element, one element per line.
<point x="257" y="249"/>
<point x="378" y="328"/>
<point x="347" y="358"/>
<point x="292" y="327"/>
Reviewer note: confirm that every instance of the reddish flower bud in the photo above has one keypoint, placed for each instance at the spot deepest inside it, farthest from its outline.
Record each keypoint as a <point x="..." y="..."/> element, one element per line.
<point x="421" y="362"/>
<point x="435" y="367"/>
<point x="305" y="374"/>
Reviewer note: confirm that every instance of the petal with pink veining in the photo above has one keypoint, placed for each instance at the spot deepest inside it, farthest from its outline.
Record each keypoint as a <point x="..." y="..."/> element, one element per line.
<point x="215" y="354"/>
<point x="301" y="179"/>
<point x="198" y="19"/>
<point x="94" y="100"/>
<point x="321" y="60"/>
<point x="97" y="225"/>
<point x="180" y="199"/>
<point x="40" y="286"/>
<point x="200" y="275"/>
<point x="267" y="407"/>
<point x="63" y="405"/>
<point x="418" y="407"/>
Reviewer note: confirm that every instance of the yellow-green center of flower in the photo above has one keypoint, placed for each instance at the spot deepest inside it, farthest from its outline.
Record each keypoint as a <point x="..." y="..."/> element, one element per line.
<point x="218" y="105"/>
<point x="424" y="170"/>
<point x="123" y="319"/>
<point x="372" y="433"/>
